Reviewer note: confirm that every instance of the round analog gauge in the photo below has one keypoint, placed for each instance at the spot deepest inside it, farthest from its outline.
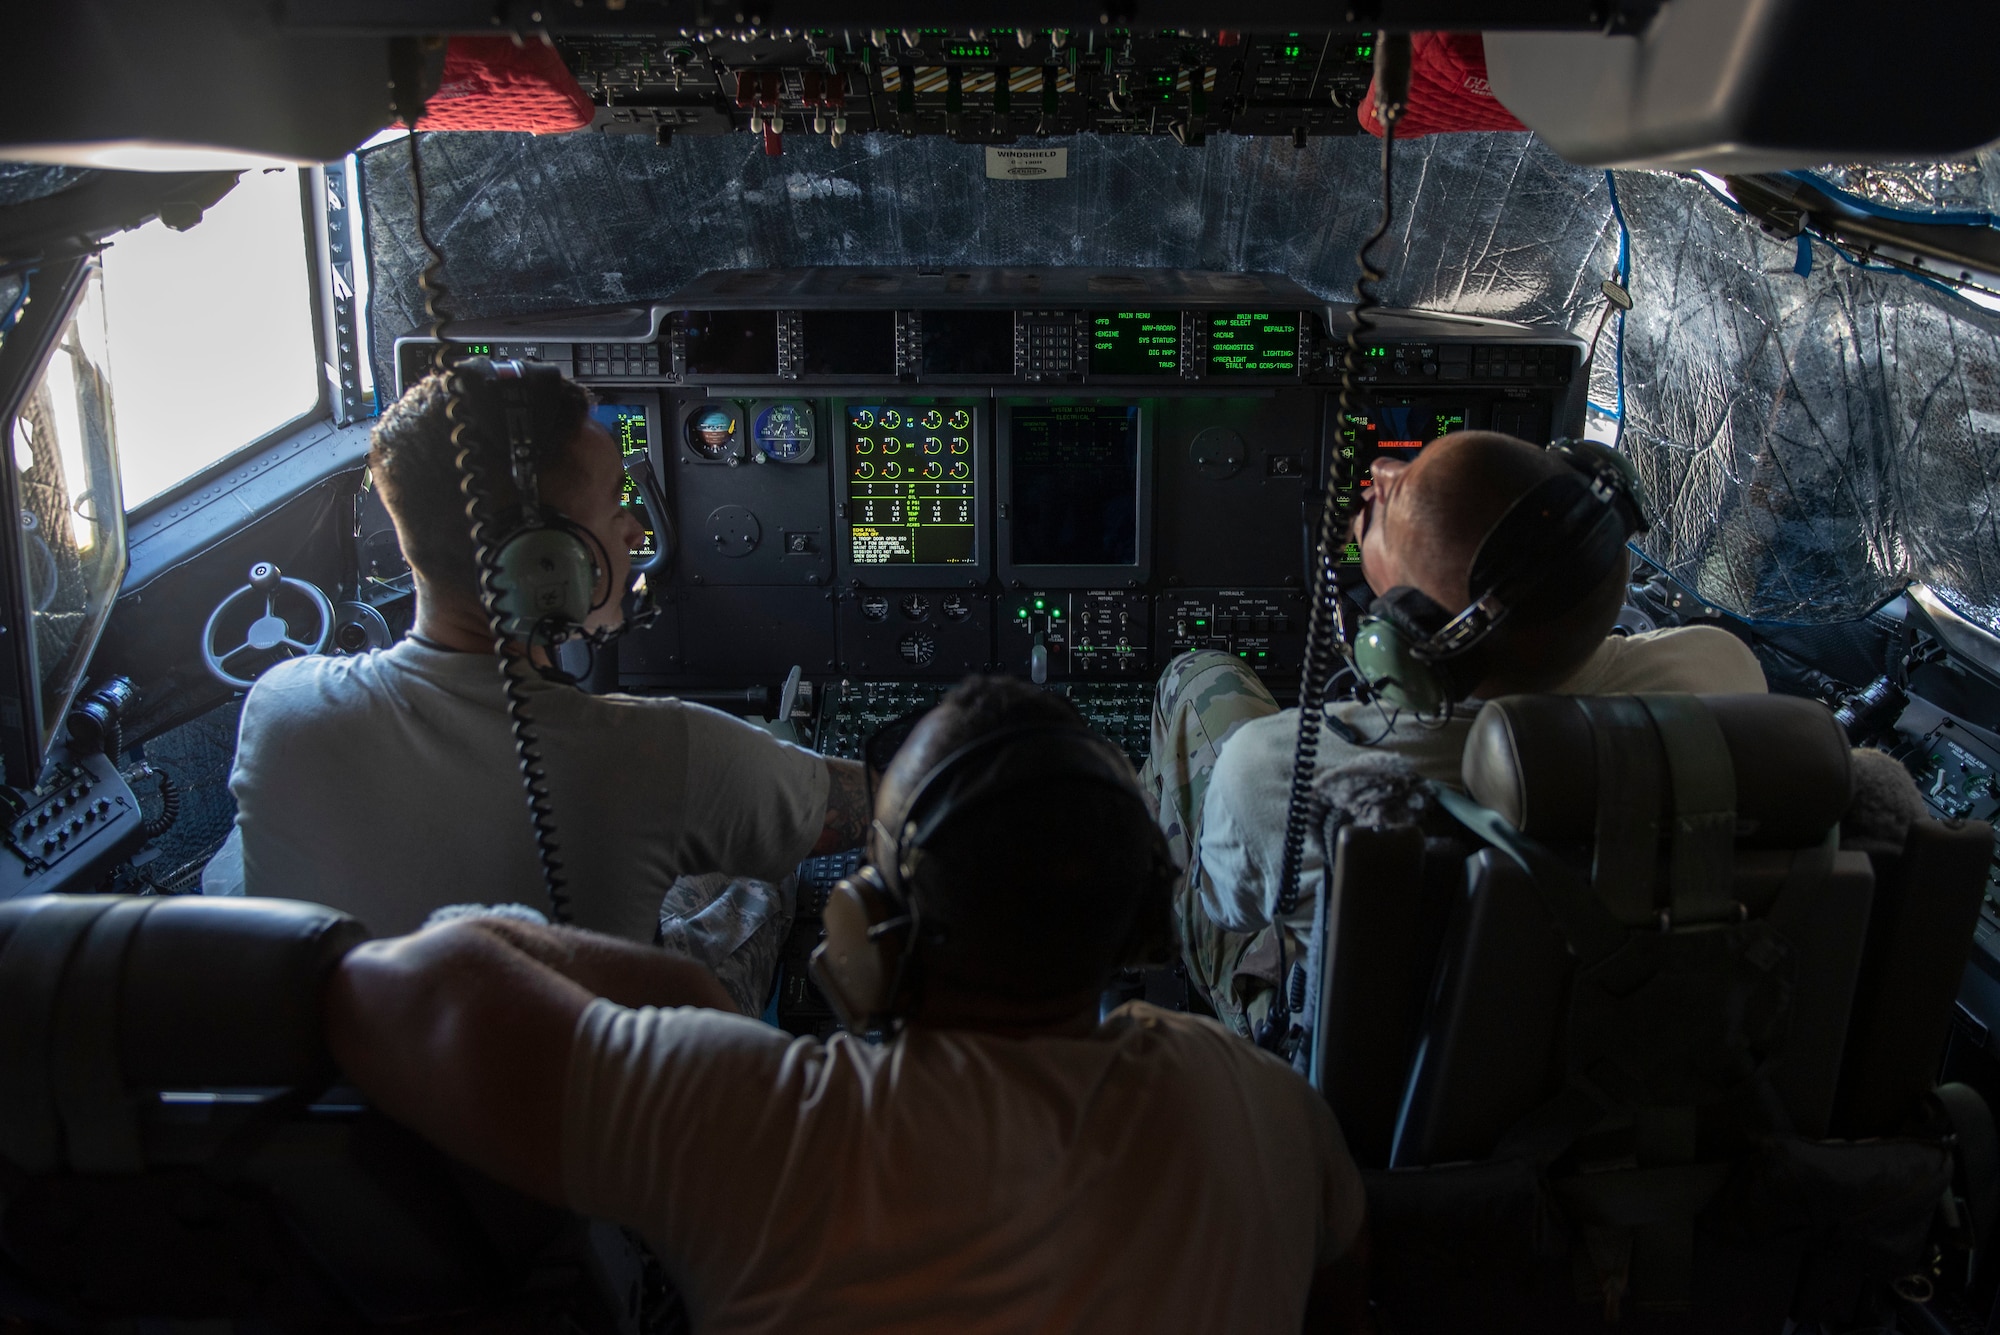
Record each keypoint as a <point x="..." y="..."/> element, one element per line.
<point x="711" y="431"/>
<point x="960" y="471"/>
<point x="891" y="419"/>
<point x="863" y="419"/>
<point x="955" y="606"/>
<point x="875" y="607"/>
<point x="932" y="445"/>
<point x="933" y="469"/>
<point x="891" y="469"/>
<point x="933" y="419"/>
<point x="917" y="649"/>
<point x="890" y="445"/>
<point x="784" y="432"/>
<point x="864" y="445"/>
<point x="865" y="469"/>
<point x="960" y="419"/>
<point x="959" y="444"/>
<point x="915" y="606"/>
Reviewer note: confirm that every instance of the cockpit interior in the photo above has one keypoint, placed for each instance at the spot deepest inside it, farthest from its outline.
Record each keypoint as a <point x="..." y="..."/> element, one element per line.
<point x="1056" y="349"/>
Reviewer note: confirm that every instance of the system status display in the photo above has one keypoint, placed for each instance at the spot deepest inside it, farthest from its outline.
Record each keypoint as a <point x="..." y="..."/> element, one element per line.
<point x="1253" y="343"/>
<point x="627" y="424"/>
<point x="912" y="485"/>
<point x="1135" y="343"/>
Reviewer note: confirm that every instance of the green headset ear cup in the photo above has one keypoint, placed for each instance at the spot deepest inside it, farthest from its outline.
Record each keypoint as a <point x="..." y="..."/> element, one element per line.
<point x="544" y="572"/>
<point x="1385" y="651"/>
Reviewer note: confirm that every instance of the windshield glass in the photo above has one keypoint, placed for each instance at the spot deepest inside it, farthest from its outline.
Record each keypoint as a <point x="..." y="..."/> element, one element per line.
<point x="212" y="333"/>
<point x="71" y="522"/>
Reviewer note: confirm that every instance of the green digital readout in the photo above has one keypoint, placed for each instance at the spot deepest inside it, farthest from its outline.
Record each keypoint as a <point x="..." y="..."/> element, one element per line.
<point x="1135" y="343"/>
<point x="1253" y="343"/>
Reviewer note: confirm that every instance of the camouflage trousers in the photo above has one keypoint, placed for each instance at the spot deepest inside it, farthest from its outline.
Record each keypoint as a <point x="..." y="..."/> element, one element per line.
<point x="1202" y="699"/>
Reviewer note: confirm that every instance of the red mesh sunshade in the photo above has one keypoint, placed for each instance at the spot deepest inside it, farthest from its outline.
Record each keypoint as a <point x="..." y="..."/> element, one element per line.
<point x="491" y="84"/>
<point x="1448" y="89"/>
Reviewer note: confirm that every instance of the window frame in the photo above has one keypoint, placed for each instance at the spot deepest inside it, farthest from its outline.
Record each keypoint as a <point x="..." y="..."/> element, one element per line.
<point x="321" y="408"/>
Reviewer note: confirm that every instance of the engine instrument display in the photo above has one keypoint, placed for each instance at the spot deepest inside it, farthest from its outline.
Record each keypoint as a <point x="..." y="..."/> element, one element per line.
<point x="783" y="431"/>
<point x="627" y="424"/>
<point x="1074" y="484"/>
<point x="714" y="432"/>
<point x="912" y="485"/>
<point x="1135" y="343"/>
<point x="732" y="342"/>
<point x="1253" y="343"/>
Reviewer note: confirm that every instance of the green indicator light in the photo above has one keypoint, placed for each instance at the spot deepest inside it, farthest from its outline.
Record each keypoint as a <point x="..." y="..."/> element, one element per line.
<point x="1039" y="604"/>
<point x="1262" y="653"/>
<point x="1057" y="614"/>
<point x="1023" y="613"/>
<point x="1199" y="621"/>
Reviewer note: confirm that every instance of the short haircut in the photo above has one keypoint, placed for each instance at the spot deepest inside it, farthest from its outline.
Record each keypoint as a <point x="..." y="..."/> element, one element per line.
<point x="1039" y="893"/>
<point x="415" y="464"/>
<point x="1488" y="474"/>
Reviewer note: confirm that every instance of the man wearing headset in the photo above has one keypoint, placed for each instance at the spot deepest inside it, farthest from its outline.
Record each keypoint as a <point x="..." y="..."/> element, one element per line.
<point x="1432" y="542"/>
<point x="386" y="784"/>
<point x="1005" y="1161"/>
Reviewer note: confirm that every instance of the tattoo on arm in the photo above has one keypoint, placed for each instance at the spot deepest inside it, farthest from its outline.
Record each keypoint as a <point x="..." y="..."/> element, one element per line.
<point x="847" y="807"/>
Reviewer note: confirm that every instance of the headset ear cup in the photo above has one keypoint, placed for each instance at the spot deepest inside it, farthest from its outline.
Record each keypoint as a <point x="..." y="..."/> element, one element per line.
<point x="1385" y="651"/>
<point x="544" y="572"/>
<point x="856" y="974"/>
<point x="1153" y="941"/>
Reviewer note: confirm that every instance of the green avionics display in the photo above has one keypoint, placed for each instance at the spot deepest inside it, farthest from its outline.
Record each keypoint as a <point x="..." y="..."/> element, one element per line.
<point x="1253" y="343"/>
<point x="1135" y="343"/>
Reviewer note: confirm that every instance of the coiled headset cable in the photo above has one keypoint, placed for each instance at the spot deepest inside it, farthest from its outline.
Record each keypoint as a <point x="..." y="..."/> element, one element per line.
<point x="1325" y="635"/>
<point x="475" y="485"/>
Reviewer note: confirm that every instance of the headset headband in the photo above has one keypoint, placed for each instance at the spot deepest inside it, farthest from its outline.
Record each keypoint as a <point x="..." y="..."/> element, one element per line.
<point x="1548" y="549"/>
<point x="1021" y="757"/>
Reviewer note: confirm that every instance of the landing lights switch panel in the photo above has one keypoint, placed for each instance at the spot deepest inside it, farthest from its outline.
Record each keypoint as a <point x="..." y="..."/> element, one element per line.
<point x="1075" y="633"/>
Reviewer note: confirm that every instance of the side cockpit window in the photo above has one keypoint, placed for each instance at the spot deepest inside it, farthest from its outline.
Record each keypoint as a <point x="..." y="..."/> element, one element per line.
<point x="71" y="521"/>
<point x="210" y="333"/>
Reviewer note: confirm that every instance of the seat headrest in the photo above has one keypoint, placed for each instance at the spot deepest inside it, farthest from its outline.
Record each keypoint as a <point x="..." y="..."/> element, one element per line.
<point x="1534" y="759"/>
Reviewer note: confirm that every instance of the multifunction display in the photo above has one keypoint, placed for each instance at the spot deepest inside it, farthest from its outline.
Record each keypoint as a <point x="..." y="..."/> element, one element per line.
<point x="732" y="342"/>
<point x="1253" y="343"/>
<point x="627" y="424"/>
<point x="1135" y="343"/>
<point x="1397" y="427"/>
<point x="1075" y="484"/>
<point x="912" y="489"/>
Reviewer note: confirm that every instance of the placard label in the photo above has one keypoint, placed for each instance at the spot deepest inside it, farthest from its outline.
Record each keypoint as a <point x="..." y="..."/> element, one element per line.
<point x="1027" y="164"/>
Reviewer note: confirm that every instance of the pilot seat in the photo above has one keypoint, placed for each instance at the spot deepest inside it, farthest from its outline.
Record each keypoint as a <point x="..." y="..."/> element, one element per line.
<point x="1632" y="1042"/>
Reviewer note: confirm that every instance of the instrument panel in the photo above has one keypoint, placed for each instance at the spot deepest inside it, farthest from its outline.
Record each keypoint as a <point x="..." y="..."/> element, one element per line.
<point x="1068" y="474"/>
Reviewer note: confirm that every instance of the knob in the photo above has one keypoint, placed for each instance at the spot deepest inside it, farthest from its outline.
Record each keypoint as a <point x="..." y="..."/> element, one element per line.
<point x="101" y="805"/>
<point x="1038" y="662"/>
<point x="264" y="577"/>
